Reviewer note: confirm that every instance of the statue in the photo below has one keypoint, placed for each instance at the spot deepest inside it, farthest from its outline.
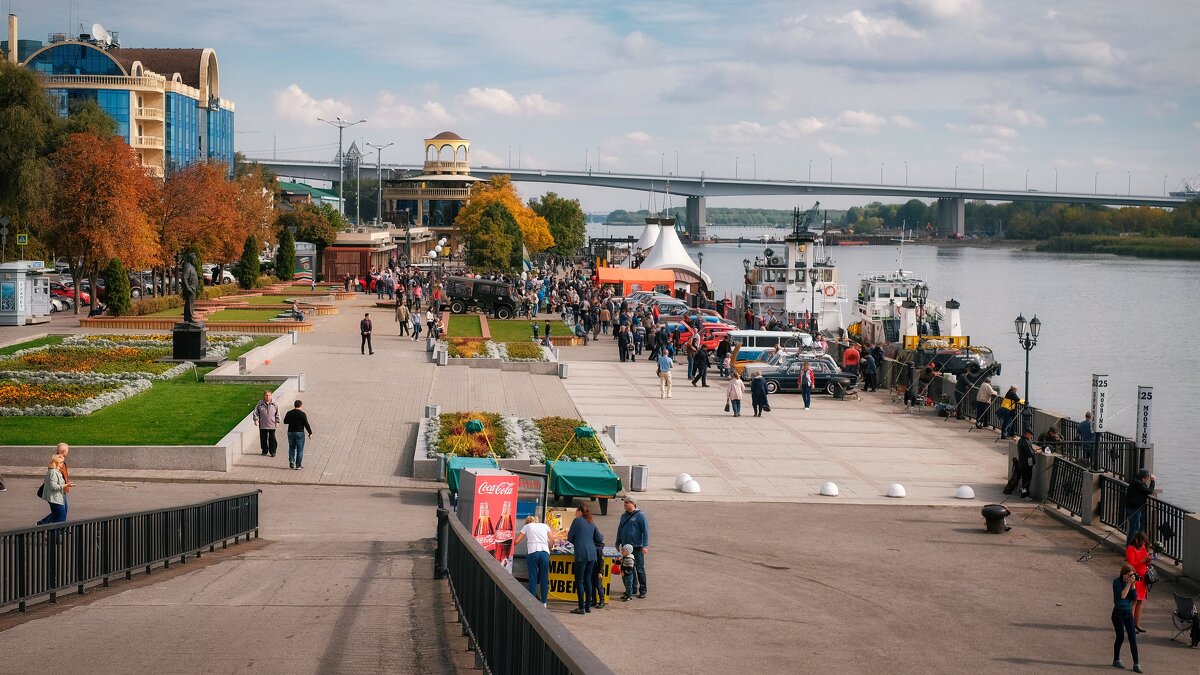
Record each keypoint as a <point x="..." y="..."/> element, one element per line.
<point x="190" y="283"/>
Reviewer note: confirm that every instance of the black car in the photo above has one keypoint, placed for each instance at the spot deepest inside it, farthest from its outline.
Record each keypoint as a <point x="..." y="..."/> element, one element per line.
<point x="787" y="377"/>
<point x="494" y="297"/>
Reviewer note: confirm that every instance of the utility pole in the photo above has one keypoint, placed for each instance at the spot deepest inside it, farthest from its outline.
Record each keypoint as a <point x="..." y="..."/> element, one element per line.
<point x="341" y="125"/>
<point x="379" y="178"/>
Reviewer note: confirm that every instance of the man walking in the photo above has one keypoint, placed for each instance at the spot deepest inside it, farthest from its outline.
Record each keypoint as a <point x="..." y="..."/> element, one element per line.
<point x="266" y="418"/>
<point x="700" y="362"/>
<point x="634" y="530"/>
<point x="403" y="316"/>
<point x="364" y="329"/>
<point x="1135" y="503"/>
<point x="664" y="375"/>
<point x="297" y="424"/>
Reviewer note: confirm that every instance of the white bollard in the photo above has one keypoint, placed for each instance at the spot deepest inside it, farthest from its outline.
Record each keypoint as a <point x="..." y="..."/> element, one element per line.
<point x="896" y="491"/>
<point x="964" y="492"/>
<point x="681" y="479"/>
<point x="691" y="487"/>
<point x="301" y="381"/>
<point x="829" y="489"/>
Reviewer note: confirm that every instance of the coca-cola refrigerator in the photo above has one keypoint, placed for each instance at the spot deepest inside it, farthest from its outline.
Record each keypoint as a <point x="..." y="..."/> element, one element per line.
<point x="487" y="505"/>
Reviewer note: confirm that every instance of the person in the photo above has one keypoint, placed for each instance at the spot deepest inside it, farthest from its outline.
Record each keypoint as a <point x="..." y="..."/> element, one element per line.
<point x="1087" y="436"/>
<point x="664" y="375"/>
<point x="1026" y="457"/>
<point x="1049" y="439"/>
<point x="983" y="401"/>
<point x="430" y="321"/>
<point x="1122" y="616"/>
<point x="1135" y="503"/>
<point x="62" y="450"/>
<point x="416" y="325"/>
<point x="364" y="329"/>
<point x="1137" y="555"/>
<point x="693" y="346"/>
<point x="628" y="571"/>
<point x="758" y="394"/>
<point x="635" y="531"/>
<point x="723" y="350"/>
<point x="733" y="393"/>
<point x="266" y="418"/>
<point x="582" y="536"/>
<point x="639" y="338"/>
<point x="403" y="317"/>
<point x="605" y="319"/>
<point x="700" y="363"/>
<point x="537" y="556"/>
<point x="807" y="381"/>
<point x="850" y="359"/>
<point x="53" y="487"/>
<point x="623" y="343"/>
<point x="546" y="334"/>
<point x="581" y="332"/>
<point x="870" y="372"/>
<point x="598" y="593"/>
<point x="297" y="423"/>
<point x="1008" y="411"/>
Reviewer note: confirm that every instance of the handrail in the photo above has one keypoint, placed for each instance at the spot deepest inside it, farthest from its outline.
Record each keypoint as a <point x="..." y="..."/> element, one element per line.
<point x="510" y="631"/>
<point x="44" y="560"/>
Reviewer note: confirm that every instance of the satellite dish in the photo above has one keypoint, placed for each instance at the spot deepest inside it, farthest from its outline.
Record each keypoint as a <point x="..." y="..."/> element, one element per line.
<point x="101" y="35"/>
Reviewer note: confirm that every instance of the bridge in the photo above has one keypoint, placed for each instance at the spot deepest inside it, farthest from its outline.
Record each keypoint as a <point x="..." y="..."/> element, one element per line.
<point x="951" y="201"/>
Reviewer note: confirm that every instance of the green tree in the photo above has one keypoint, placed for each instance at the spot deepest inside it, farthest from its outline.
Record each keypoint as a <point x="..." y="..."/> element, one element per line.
<point x="248" y="268"/>
<point x="116" y="294"/>
<point x="86" y="117"/>
<point x="285" y="257"/>
<point x="491" y="244"/>
<point x="27" y="123"/>
<point x="322" y="234"/>
<point x="567" y="223"/>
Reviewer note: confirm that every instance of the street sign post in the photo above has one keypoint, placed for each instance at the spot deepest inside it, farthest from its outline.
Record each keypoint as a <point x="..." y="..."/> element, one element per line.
<point x="1145" y="398"/>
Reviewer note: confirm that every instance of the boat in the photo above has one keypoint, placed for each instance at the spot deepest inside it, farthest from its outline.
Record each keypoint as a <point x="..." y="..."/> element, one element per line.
<point x="798" y="284"/>
<point x="1189" y="190"/>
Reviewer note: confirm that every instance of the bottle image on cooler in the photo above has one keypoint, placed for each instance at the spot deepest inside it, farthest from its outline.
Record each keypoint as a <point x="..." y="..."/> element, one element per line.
<point x="504" y="535"/>
<point x="485" y="533"/>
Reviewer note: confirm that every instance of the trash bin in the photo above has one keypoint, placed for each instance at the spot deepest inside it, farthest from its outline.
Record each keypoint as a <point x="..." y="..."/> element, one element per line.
<point x="441" y="358"/>
<point x="994" y="516"/>
<point x="429" y="343"/>
<point x="441" y="465"/>
<point x="840" y="385"/>
<point x="562" y="371"/>
<point x="639" y="478"/>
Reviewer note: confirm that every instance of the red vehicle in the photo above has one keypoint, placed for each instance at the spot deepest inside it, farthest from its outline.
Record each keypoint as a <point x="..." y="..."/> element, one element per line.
<point x="710" y="333"/>
<point x="63" y="291"/>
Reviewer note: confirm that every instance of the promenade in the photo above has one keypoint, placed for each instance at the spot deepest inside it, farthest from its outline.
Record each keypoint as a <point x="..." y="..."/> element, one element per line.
<point x="756" y="571"/>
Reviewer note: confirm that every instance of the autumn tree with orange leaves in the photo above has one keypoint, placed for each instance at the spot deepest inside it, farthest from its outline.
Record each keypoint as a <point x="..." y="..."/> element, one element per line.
<point x="196" y="206"/>
<point x="535" y="231"/>
<point x="99" y="198"/>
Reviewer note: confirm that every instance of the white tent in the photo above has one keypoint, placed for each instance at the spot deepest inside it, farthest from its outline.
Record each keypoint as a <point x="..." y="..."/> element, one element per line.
<point x="649" y="237"/>
<point x="668" y="254"/>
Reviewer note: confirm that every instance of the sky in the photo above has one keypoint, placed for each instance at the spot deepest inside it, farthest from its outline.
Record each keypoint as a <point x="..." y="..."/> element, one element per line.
<point x="931" y="92"/>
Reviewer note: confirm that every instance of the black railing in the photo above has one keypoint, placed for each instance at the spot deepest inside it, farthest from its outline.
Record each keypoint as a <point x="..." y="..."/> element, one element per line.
<point x="49" y="559"/>
<point x="1067" y="481"/>
<point x="1162" y="522"/>
<point x="508" y="629"/>
<point x="1111" y="457"/>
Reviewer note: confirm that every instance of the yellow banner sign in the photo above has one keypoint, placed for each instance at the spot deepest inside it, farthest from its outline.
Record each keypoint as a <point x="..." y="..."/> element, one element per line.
<point x="562" y="577"/>
<point x="936" y="341"/>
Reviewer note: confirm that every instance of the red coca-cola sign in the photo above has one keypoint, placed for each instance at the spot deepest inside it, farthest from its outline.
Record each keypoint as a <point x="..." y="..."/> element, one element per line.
<point x="506" y="488"/>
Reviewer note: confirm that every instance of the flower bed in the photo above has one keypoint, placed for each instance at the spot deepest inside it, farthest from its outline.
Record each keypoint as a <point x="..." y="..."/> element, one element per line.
<point x="84" y="359"/>
<point x="512" y="438"/>
<point x="218" y="343"/>
<point x="64" y="394"/>
<point x="523" y="351"/>
<point x="452" y="437"/>
<point x="479" y="348"/>
<point x="467" y="348"/>
<point x="557" y="432"/>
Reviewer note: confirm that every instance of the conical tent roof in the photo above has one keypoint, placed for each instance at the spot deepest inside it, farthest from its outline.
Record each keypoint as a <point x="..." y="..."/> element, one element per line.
<point x="649" y="236"/>
<point x="668" y="254"/>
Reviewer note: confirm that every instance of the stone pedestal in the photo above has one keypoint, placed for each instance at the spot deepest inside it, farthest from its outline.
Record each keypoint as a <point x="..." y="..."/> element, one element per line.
<point x="189" y="342"/>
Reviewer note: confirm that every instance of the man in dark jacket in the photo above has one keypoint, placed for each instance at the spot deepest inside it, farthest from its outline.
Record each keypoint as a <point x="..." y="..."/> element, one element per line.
<point x="364" y="329"/>
<point x="701" y="362"/>
<point x="634" y="530"/>
<point x="1135" y="503"/>
<point x="1026" y="459"/>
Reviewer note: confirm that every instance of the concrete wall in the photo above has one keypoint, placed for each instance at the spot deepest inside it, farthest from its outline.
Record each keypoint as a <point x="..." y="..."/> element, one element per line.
<point x="1191" y="549"/>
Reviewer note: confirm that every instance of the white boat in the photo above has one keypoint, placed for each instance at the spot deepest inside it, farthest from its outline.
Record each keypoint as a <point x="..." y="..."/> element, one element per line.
<point x="797" y="285"/>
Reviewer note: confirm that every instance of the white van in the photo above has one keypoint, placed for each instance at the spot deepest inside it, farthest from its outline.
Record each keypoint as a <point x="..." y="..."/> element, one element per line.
<point x="754" y="343"/>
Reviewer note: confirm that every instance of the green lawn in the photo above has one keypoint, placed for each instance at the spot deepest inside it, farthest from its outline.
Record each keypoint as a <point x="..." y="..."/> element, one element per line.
<point x="29" y="344"/>
<point x="464" y="325"/>
<point x="225" y="314"/>
<point x="518" y="330"/>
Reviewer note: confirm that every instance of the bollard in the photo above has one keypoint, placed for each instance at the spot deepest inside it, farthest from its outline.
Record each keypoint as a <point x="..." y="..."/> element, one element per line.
<point x="562" y="371"/>
<point x="295" y="336"/>
<point x="300" y="382"/>
<point x="614" y="432"/>
<point x="432" y="411"/>
<point x="995" y="516"/>
<point x="429" y="342"/>
<point x="442" y="355"/>
<point x="241" y="365"/>
<point x="441" y="555"/>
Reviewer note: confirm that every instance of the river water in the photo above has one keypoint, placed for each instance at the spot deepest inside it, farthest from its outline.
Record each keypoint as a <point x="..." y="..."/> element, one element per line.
<point x="1135" y="320"/>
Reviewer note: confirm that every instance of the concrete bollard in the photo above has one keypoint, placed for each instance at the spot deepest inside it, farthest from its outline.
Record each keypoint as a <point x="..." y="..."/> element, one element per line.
<point x="432" y="411"/>
<point x="1191" y="546"/>
<point x="614" y="432"/>
<point x="242" y="365"/>
<point x="896" y="491"/>
<point x="442" y="356"/>
<point x="829" y="489"/>
<point x="429" y="342"/>
<point x="639" y="478"/>
<point x="301" y="381"/>
<point x="562" y="371"/>
<point x="681" y="479"/>
<point x="295" y="336"/>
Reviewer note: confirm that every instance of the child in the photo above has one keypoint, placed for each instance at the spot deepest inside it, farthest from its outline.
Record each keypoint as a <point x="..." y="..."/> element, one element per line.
<point x="627" y="571"/>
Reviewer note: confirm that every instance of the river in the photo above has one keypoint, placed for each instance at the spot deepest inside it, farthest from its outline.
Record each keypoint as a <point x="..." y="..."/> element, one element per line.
<point x="1100" y="314"/>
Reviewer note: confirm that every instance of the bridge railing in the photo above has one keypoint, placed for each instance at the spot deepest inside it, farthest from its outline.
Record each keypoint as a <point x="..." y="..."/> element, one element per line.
<point x="48" y="559"/>
<point x="509" y="630"/>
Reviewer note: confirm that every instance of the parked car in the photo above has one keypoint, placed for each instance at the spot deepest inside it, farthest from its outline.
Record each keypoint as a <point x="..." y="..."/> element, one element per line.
<point x="771" y="360"/>
<point x="226" y="273"/>
<point x="710" y="333"/>
<point x="68" y="292"/>
<point x="787" y="378"/>
<point x="495" y="297"/>
<point x="58" y="304"/>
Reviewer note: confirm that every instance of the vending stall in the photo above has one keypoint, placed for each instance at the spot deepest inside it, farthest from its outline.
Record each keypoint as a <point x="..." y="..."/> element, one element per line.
<point x="487" y="504"/>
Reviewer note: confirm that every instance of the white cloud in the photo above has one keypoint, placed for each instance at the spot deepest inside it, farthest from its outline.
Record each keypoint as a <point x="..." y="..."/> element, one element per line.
<point x="639" y="137"/>
<point x="392" y="113"/>
<point x="637" y="46"/>
<point x="501" y="102"/>
<point x="1196" y="124"/>
<point x="1002" y="113"/>
<point x="903" y="122"/>
<point x="297" y="105"/>
<point x="804" y="125"/>
<point x="945" y="10"/>
<point x="868" y="28"/>
<point x="482" y="157"/>
<point x="859" y="120"/>
<point x="1090" y="118"/>
<point x="993" y="130"/>
<point x="1103" y="162"/>
<point x="1082" y="52"/>
<point x="831" y="149"/>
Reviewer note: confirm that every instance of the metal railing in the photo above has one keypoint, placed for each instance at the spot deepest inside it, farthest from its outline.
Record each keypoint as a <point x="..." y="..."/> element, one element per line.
<point x="1162" y="522"/>
<point x="508" y="629"/>
<point x="1112" y="457"/>
<point x="147" y="142"/>
<point x="144" y="81"/>
<point x="48" y="559"/>
<point x="1067" y="481"/>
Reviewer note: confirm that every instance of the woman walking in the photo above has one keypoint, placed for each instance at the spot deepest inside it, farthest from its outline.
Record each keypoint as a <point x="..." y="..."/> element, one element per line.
<point x="733" y="394"/>
<point x="758" y="394"/>
<point x="537" y="556"/>
<point x="582" y="536"/>
<point x="1137" y="555"/>
<point x="52" y="492"/>
<point x="1122" y="616"/>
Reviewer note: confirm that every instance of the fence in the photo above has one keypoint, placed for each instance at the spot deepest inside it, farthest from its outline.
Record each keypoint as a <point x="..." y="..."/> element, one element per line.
<point x="1163" y="522"/>
<point x="1067" y="481"/>
<point x="509" y="630"/>
<point x="48" y="559"/>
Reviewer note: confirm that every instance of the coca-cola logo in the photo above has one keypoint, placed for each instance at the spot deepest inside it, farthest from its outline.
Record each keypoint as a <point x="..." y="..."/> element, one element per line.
<point x="496" y="489"/>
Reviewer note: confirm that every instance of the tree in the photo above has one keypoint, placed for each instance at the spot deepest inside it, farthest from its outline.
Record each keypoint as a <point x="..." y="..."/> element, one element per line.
<point x="27" y="123"/>
<point x="566" y="222"/>
<point x="196" y="206"/>
<point x="535" y="231"/>
<point x="285" y="257"/>
<point x="247" y="267"/>
<point x="255" y="188"/>
<point x="491" y="245"/>
<point x="322" y="234"/>
<point x="99" y="198"/>
<point x="117" y="291"/>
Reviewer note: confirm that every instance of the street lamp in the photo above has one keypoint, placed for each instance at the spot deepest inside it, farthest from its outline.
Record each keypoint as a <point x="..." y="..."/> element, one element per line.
<point x="1027" y="180"/>
<point x="982" y="177"/>
<point x="746" y="281"/>
<point x="955" y="175"/>
<point x="881" y="173"/>
<point x="379" y="177"/>
<point x="1028" y="340"/>
<point x="921" y="294"/>
<point x="812" y="301"/>
<point x="736" y="159"/>
<point x="1056" y="179"/>
<point x="700" y="257"/>
<point x="1129" y="185"/>
<point x="755" y="156"/>
<point x="341" y="125"/>
<point x="906" y="173"/>
<point x="810" y="171"/>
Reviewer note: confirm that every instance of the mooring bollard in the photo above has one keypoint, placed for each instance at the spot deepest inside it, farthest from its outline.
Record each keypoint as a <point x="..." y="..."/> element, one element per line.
<point x="301" y="381"/>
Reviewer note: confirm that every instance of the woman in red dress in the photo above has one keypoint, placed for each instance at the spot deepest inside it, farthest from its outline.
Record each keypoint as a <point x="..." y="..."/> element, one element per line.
<point x="1137" y="554"/>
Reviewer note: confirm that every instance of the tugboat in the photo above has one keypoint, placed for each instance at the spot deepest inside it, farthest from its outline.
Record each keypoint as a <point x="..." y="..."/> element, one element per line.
<point x="797" y="286"/>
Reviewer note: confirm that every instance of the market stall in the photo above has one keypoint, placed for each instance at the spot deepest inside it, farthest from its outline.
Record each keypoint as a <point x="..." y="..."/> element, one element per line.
<point x="583" y="479"/>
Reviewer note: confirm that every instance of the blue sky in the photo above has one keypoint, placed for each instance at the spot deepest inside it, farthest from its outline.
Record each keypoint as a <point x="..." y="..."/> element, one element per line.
<point x="994" y="88"/>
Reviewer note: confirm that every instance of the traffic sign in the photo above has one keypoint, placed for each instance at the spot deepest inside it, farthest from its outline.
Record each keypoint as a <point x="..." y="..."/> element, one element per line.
<point x="22" y="240"/>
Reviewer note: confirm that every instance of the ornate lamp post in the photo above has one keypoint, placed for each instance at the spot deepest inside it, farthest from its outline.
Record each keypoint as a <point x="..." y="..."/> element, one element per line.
<point x="920" y="295"/>
<point x="1027" y="337"/>
<point x="746" y="281"/>
<point x="812" y="301"/>
<point x="700" y="285"/>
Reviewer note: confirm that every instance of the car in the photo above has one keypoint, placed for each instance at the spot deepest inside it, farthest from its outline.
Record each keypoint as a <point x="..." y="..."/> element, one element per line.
<point x="787" y="378"/>
<point x="59" y="304"/>
<point x="776" y="359"/>
<point x="710" y="334"/>
<point x="68" y="292"/>
<point x="495" y="297"/>
<point x="226" y="273"/>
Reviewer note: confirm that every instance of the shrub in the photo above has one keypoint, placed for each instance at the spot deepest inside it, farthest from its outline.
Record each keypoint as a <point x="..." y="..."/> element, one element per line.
<point x="247" y="268"/>
<point x="285" y="257"/>
<point x="117" y="295"/>
<point x="467" y="348"/>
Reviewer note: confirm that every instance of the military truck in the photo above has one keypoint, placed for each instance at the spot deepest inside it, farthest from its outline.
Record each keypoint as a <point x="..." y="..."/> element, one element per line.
<point x="494" y="297"/>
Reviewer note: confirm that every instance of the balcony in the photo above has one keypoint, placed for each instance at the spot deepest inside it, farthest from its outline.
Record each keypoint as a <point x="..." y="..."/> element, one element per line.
<point x="152" y="142"/>
<point x="144" y="82"/>
<point x="149" y="113"/>
<point x="426" y="193"/>
<point x="447" y="167"/>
